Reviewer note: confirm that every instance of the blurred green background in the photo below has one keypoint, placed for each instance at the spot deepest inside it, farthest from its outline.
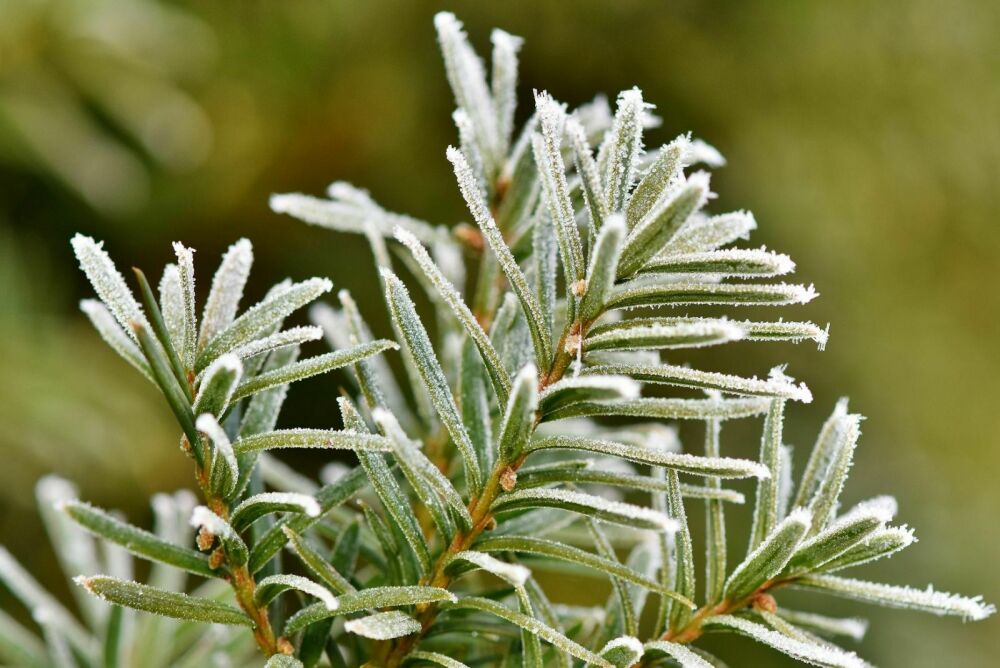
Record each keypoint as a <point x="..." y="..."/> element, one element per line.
<point x="865" y="136"/>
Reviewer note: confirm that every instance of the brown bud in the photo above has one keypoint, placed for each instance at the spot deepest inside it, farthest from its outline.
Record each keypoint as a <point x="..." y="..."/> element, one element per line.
<point x="508" y="479"/>
<point x="765" y="602"/>
<point x="580" y="287"/>
<point x="205" y="539"/>
<point x="216" y="558"/>
<point x="573" y="342"/>
<point x="469" y="236"/>
<point x="285" y="647"/>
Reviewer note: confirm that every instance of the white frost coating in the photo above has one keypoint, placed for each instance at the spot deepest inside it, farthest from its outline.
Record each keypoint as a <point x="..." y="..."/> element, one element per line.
<point x="709" y="233"/>
<point x="902" y="535"/>
<point x="884" y="506"/>
<point x="306" y="503"/>
<point x="643" y="293"/>
<point x="733" y="262"/>
<point x="667" y="408"/>
<point x="699" y="151"/>
<point x="546" y="145"/>
<point x="777" y="385"/>
<point x="227" y="363"/>
<point x="203" y="518"/>
<point x="470" y="146"/>
<point x="416" y="465"/>
<point x="854" y="628"/>
<point x="822" y="454"/>
<point x="671" y="212"/>
<point x="467" y="184"/>
<point x="668" y="333"/>
<point x="348" y="216"/>
<point x="786" y="486"/>
<point x="628" y="642"/>
<point x="620" y="150"/>
<point x="778" y="546"/>
<point x="892" y="596"/>
<point x="383" y="625"/>
<point x="626" y="647"/>
<point x="723" y="467"/>
<point x="283" y="368"/>
<point x="881" y="508"/>
<point x="586" y="166"/>
<point x="785" y="331"/>
<point x="279" y="288"/>
<point x="680" y="653"/>
<point x="514" y="574"/>
<point x="105" y="324"/>
<point x="172" y="305"/>
<point x="344" y="439"/>
<point x="799" y="516"/>
<point x="664" y="173"/>
<point x="208" y="425"/>
<point x="535" y="627"/>
<point x="279" y="583"/>
<point x="394" y="596"/>
<point x="289" y="337"/>
<point x="108" y="283"/>
<point x="610" y="509"/>
<point x="702" y="182"/>
<point x="446" y="289"/>
<point x="860" y="516"/>
<point x="604" y="385"/>
<point x="185" y="266"/>
<point x="417" y="343"/>
<point x="879" y="545"/>
<point x="390" y="426"/>
<point x="603" y="266"/>
<point x="281" y="300"/>
<point x="227" y="290"/>
<point x="468" y="82"/>
<point x="844" y="441"/>
<point x="519" y="284"/>
<point x="503" y="82"/>
<point x="777" y="375"/>
<point x="339" y="327"/>
<point x="823" y="655"/>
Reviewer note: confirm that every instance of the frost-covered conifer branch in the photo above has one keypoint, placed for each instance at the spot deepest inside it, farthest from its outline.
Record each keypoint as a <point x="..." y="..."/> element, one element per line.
<point x="488" y="461"/>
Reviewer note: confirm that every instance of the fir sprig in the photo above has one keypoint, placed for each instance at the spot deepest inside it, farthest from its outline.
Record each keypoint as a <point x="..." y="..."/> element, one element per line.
<point x="489" y="458"/>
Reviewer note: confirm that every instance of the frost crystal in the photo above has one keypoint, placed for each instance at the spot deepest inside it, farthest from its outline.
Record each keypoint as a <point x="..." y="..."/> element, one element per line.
<point x="227" y="290"/>
<point x="108" y="283"/>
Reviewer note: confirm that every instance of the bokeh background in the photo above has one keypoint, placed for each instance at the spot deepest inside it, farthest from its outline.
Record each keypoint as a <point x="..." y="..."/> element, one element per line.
<point x="865" y="136"/>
